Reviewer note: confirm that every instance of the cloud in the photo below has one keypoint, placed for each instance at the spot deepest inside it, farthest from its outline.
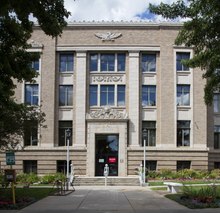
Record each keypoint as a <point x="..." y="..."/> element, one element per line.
<point x="109" y="10"/>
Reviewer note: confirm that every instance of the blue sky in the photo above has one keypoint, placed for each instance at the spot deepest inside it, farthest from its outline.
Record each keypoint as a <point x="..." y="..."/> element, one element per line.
<point x="112" y="10"/>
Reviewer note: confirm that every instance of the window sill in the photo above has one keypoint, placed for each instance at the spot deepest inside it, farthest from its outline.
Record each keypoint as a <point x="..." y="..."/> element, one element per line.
<point x="112" y="107"/>
<point x="149" y="73"/>
<point x="66" y="73"/>
<point x="149" y="107"/>
<point x="185" y="72"/>
<point x="107" y="72"/>
<point x="183" y="107"/>
<point x="65" y="107"/>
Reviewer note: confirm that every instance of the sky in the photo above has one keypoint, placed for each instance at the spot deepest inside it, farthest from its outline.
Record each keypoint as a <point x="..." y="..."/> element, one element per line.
<point x="112" y="10"/>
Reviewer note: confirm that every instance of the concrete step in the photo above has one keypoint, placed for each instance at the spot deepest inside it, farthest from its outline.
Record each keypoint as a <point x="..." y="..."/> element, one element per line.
<point x="111" y="181"/>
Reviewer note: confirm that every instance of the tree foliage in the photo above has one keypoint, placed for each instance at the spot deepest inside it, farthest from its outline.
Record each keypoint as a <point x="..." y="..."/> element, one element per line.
<point x="15" y="30"/>
<point x="201" y="30"/>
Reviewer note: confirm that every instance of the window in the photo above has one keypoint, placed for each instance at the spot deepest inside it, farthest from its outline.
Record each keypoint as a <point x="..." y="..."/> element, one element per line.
<point x="93" y="95"/>
<point x="217" y="137"/>
<point x="148" y="95"/>
<point x="30" y="166"/>
<point x="66" y="95"/>
<point x="93" y="62"/>
<point x="66" y="62"/>
<point x="216" y="165"/>
<point x="150" y="126"/>
<point x="121" y="95"/>
<point x="107" y="62"/>
<point x="31" y="134"/>
<point x="183" y="95"/>
<point x="31" y="94"/>
<point x="179" y="57"/>
<point x="148" y="62"/>
<point x="121" y="62"/>
<point x="63" y="126"/>
<point x="183" y="133"/>
<point x="35" y="65"/>
<point x="216" y="102"/>
<point x="180" y="165"/>
<point x="107" y="95"/>
<point x="61" y="166"/>
<point x="151" y="165"/>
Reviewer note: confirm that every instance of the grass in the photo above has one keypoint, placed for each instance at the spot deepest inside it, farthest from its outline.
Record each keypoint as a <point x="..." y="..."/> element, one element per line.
<point x="24" y="196"/>
<point x="159" y="189"/>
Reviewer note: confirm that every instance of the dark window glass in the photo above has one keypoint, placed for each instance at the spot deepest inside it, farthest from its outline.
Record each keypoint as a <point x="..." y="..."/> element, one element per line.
<point x="183" y="133"/>
<point x="63" y="126"/>
<point x="148" y="95"/>
<point x="217" y="137"/>
<point x="216" y="165"/>
<point x="93" y="62"/>
<point x="121" y="95"/>
<point x="31" y="134"/>
<point x="107" y="95"/>
<point x="66" y="95"/>
<point x="30" y="166"/>
<point x="61" y="166"/>
<point x="35" y="65"/>
<point x="66" y="62"/>
<point x="151" y="165"/>
<point x="183" y="165"/>
<point x="107" y="62"/>
<point x="150" y="138"/>
<point x="121" y="61"/>
<point x="93" y="95"/>
<point x="180" y="56"/>
<point x="148" y="63"/>
<point x="183" y="95"/>
<point x="31" y="94"/>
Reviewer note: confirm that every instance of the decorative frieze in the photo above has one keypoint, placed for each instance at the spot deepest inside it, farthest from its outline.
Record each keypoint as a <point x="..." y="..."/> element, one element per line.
<point x="108" y="78"/>
<point x="109" y="36"/>
<point x="107" y="113"/>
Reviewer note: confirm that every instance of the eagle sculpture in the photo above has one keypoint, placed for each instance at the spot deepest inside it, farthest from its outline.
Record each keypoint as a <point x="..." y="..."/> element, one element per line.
<point x="108" y="36"/>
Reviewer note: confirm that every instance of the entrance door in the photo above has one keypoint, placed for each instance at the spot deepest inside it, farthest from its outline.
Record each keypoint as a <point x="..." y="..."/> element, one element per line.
<point x="106" y="152"/>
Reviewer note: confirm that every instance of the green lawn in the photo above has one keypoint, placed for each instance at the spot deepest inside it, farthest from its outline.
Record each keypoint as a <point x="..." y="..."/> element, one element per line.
<point x="24" y="196"/>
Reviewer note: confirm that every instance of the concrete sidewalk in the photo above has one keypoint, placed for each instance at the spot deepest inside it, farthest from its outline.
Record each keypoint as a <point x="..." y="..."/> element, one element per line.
<point x="109" y="200"/>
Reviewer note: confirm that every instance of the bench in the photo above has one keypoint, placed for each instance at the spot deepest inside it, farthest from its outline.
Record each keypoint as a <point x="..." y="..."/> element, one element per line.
<point x="174" y="187"/>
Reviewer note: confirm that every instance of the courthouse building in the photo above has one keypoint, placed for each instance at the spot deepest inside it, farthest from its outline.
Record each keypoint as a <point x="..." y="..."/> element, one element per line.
<point x="107" y="82"/>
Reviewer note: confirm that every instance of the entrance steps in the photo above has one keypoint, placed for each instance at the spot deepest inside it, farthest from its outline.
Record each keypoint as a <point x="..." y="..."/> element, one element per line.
<point x="111" y="181"/>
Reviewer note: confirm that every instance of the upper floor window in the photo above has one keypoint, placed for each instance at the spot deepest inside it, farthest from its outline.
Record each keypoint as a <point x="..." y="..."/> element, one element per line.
<point x="180" y="56"/>
<point x="148" y="62"/>
<point x="150" y="127"/>
<point x="216" y="102"/>
<point x="31" y="134"/>
<point x="183" y="133"/>
<point x="217" y="137"/>
<point x="66" y="62"/>
<point x="35" y="65"/>
<point x="107" y="62"/>
<point x="107" y="95"/>
<point x="66" y="95"/>
<point x="148" y="95"/>
<point x="31" y="94"/>
<point x="63" y="126"/>
<point x="183" y="95"/>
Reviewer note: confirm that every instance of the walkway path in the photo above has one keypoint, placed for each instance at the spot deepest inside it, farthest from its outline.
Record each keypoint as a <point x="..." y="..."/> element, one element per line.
<point x="109" y="200"/>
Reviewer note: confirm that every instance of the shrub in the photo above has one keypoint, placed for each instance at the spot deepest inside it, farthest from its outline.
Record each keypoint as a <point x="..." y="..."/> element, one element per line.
<point x="47" y="179"/>
<point x="187" y="174"/>
<point x="27" y="178"/>
<point x="215" y="174"/>
<point x="167" y="174"/>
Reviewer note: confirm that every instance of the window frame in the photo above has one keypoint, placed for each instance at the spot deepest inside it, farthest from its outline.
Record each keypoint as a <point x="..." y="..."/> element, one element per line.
<point x="151" y="130"/>
<point x="179" y="57"/>
<point x="185" y="165"/>
<point x="147" y="92"/>
<point x="69" y="64"/>
<point x="183" y="92"/>
<point x="183" y="129"/>
<point x="107" y="92"/>
<point x="68" y="95"/>
<point x="67" y="124"/>
<point x="30" y="166"/>
<point x="34" y="94"/>
<point x="217" y="137"/>
<point x="30" y="138"/>
<point x="145" y="64"/>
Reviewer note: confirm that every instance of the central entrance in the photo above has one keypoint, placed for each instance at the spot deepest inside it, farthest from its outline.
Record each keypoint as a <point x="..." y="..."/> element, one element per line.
<point x="106" y="152"/>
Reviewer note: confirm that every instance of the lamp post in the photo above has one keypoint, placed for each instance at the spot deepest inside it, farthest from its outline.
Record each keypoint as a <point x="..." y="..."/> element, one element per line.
<point x="144" y="137"/>
<point x="68" y="135"/>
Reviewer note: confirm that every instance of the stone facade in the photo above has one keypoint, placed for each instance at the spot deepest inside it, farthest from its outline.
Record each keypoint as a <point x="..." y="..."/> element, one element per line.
<point x="133" y="39"/>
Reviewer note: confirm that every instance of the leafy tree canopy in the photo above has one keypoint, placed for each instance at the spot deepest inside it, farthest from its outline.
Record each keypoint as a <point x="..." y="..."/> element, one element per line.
<point x="15" y="30"/>
<point x="201" y="30"/>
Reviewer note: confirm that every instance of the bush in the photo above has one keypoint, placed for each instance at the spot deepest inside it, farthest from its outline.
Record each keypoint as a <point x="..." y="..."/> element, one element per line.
<point x="167" y="174"/>
<point x="51" y="178"/>
<point x="215" y="174"/>
<point x="27" y="179"/>
<point x="187" y="174"/>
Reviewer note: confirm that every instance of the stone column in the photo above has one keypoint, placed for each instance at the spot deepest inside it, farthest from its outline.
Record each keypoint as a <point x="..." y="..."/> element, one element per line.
<point x="134" y="99"/>
<point x="80" y="101"/>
